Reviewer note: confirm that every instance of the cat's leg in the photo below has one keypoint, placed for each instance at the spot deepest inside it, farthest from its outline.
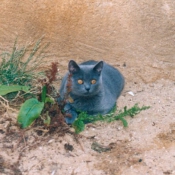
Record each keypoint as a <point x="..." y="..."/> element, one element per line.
<point x="71" y="113"/>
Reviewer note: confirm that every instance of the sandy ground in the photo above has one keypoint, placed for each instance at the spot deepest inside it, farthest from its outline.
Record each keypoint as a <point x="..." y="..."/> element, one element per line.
<point x="146" y="146"/>
<point x="135" y="36"/>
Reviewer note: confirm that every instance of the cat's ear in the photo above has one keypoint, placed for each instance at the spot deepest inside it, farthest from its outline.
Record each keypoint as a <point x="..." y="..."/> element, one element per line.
<point x="98" y="67"/>
<point x="73" y="67"/>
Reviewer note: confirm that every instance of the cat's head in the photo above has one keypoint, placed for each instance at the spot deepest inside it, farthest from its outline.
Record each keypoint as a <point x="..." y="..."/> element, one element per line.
<point x="86" y="79"/>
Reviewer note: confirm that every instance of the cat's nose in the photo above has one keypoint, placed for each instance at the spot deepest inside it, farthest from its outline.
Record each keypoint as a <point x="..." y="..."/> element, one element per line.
<point x="87" y="88"/>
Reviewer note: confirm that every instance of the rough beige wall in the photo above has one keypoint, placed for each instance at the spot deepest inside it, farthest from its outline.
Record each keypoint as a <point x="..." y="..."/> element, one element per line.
<point x="140" y="33"/>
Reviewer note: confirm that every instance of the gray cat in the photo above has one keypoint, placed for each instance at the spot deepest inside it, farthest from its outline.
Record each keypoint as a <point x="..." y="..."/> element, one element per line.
<point x="95" y="87"/>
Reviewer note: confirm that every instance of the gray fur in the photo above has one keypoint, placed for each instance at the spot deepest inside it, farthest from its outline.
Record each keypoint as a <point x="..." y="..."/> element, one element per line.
<point x="98" y="98"/>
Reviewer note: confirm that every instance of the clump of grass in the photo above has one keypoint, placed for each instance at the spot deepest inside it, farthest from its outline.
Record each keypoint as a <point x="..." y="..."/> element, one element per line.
<point x="84" y="118"/>
<point x="15" y="70"/>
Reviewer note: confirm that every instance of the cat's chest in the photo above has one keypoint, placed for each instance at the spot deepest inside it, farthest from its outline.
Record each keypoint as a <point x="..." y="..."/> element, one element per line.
<point x="86" y="104"/>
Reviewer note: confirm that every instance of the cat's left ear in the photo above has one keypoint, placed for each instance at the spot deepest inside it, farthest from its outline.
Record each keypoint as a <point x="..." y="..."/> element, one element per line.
<point x="98" y="67"/>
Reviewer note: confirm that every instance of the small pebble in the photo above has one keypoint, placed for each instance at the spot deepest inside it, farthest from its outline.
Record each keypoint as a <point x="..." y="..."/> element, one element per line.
<point x="131" y="93"/>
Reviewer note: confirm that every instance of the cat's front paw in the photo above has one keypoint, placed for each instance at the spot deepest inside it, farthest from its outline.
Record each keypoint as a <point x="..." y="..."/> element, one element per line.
<point x="70" y="114"/>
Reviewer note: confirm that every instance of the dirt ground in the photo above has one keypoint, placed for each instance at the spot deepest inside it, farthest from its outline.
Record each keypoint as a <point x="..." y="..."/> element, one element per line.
<point x="146" y="146"/>
<point x="138" y="38"/>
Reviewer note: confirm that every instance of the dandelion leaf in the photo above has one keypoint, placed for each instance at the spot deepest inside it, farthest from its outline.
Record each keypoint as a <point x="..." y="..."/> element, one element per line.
<point x="29" y="111"/>
<point x="4" y="89"/>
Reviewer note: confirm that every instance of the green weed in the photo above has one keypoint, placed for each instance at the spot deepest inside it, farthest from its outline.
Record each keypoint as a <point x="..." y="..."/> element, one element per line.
<point x="84" y="118"/>
<point x="15" y="70"/>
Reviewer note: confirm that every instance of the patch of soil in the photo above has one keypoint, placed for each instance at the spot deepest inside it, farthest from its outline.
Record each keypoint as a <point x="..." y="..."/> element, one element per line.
<point x="146" y="146"/>
<point x="167" y="139"/>
<point x="120" y="158"/>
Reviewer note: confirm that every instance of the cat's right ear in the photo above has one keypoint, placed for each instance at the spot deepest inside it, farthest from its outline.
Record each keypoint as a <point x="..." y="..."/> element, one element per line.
<point x="73" y="67"/>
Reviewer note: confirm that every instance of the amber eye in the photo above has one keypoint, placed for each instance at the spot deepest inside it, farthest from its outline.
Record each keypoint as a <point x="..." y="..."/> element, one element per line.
<point x="93" y="81"/>
<point x="80" y="81"/>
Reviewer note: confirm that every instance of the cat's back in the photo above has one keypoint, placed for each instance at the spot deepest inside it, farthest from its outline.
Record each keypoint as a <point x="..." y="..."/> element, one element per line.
<point x="113" y="80"/>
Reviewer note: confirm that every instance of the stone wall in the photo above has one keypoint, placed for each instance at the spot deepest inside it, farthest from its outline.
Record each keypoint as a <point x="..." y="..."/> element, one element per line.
<point x="140" y="33"/>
